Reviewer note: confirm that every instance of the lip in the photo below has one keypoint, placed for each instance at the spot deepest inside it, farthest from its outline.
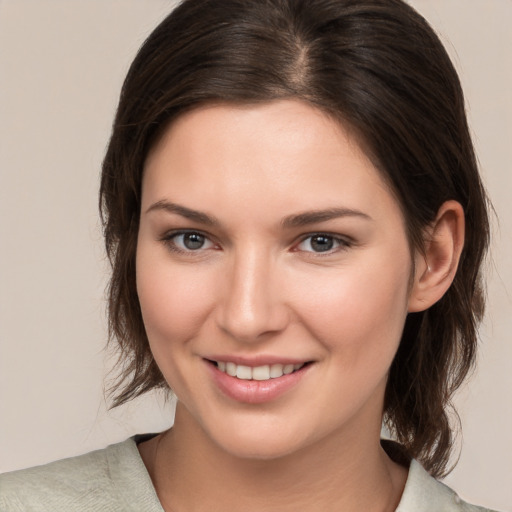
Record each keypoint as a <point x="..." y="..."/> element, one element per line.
<point x="253" y="361"/>
<point x="255" y="391"/>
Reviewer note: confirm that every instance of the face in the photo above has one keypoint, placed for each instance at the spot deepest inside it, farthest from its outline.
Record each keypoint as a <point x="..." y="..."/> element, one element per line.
<point x="273" y="273"/>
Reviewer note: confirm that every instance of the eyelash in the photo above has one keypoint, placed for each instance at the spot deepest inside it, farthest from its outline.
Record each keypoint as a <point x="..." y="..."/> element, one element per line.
<point x="168" y="240"/>
<point x="342" y="243"/>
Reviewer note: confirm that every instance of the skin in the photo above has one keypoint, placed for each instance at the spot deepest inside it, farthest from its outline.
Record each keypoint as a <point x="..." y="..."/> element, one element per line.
<point x="259" y="287"/>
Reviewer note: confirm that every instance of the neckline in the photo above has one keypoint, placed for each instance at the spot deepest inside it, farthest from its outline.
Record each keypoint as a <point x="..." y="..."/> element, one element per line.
<point x="422" y="493"/>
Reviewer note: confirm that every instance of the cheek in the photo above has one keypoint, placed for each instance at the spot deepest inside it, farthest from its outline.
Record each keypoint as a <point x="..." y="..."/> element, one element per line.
<point x="359" y="310"/>
<point x="175" y="301"/>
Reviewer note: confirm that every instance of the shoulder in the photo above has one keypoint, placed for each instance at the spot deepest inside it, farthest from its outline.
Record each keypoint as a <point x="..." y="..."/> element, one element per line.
<point x="424" y="493"/>
<point x="58" y="485"/>
<point x="99" y="480"/>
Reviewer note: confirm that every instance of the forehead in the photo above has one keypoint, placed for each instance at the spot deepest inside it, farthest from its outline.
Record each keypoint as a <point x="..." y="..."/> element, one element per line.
<point x="286" y="153"/>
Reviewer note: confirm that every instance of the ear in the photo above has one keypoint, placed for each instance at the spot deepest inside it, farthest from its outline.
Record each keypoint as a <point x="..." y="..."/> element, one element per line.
<point x="435" y="268"/>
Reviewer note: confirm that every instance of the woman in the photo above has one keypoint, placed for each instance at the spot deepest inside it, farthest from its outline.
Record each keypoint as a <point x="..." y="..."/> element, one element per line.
<point x="296" y="225"/>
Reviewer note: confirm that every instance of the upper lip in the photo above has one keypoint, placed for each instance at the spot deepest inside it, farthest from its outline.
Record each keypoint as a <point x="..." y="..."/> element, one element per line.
<point x="254" y="361"/>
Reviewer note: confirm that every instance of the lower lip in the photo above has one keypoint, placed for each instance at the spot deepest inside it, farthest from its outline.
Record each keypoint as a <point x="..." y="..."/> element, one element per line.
<point x="255" y="391"/>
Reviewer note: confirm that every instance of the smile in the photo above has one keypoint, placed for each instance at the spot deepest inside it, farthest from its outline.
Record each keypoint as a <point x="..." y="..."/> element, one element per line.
<point x="257" y="383"/>
<point x="264" y="372"/>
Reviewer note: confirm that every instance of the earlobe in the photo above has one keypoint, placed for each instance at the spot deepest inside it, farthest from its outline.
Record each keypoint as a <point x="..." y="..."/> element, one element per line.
<point x="435" y="268"/>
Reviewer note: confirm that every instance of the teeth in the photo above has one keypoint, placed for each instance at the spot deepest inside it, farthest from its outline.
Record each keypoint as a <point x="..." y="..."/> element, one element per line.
<point x="265" y="372"/>
<point x="231" y="369"/>
<point x="261" y="373"/>
<point x="276" y="370"/>
<point x="243" y="372"/>
<point x="288" y="368"/>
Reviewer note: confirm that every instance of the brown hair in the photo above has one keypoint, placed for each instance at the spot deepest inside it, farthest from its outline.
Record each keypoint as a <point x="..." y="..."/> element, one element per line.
<point x="377" y="66"/>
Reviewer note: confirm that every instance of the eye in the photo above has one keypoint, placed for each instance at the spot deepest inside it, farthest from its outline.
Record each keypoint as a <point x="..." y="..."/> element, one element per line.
<point x="322" y="243"/>
<point x="188" y="241"/>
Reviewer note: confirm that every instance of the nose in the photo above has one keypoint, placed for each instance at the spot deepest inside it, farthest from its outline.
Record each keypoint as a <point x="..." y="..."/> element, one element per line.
<point x="252" y="307"/>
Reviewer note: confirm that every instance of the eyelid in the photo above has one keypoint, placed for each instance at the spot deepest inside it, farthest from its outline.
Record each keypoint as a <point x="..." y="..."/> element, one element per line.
<point x="344" y="242"/>
<point x="168" y="237"/>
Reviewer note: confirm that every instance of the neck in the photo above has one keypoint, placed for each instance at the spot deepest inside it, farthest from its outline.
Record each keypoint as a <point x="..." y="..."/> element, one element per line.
<point x="346" y="471"/>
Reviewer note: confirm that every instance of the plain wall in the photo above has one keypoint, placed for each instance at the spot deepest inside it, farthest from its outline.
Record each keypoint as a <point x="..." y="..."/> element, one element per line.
<point x="62" y="63"/>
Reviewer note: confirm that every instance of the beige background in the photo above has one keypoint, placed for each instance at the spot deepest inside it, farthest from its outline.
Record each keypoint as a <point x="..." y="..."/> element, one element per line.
<point x="61" y="67"/>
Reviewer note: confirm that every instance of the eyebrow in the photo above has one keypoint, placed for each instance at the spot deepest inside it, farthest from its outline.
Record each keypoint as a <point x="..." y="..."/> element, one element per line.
<point x="183" y="211"/>
<point x="306" y="218"/>
<point x="291" y="221"/>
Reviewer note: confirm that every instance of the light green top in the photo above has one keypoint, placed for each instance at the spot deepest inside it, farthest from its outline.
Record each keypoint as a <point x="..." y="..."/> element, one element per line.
<point x="115" y="479"/>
